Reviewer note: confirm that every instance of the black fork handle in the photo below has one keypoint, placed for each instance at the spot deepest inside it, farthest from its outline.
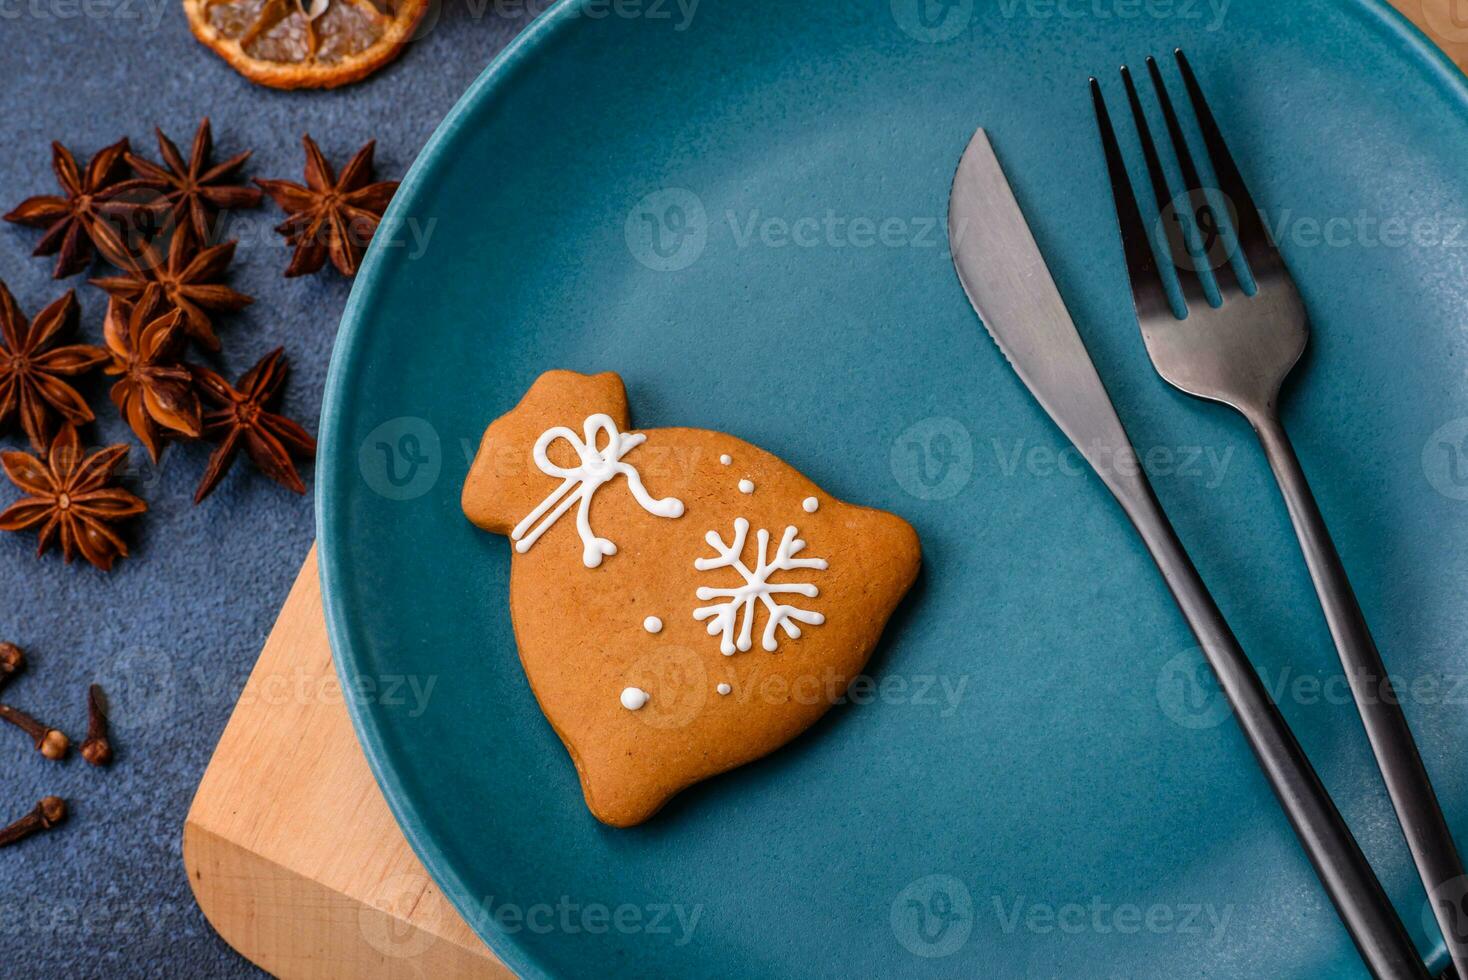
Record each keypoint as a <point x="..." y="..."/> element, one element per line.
<point x="1407" y="782"/>
<point x="1362" y="905"/>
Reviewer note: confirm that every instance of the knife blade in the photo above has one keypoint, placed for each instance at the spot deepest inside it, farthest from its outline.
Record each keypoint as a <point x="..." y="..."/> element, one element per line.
<point x="1010" y="286"/>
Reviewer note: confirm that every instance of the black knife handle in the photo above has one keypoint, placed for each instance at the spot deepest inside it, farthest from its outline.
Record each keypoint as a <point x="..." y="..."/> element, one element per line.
<point x="1348" y="879"/>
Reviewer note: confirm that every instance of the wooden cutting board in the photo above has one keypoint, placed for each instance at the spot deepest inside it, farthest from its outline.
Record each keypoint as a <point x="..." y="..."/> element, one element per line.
<point x="289" y="845"/>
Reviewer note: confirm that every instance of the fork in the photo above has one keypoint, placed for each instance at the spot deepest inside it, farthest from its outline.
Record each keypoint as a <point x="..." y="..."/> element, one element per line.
<point x="1239" y="353"/>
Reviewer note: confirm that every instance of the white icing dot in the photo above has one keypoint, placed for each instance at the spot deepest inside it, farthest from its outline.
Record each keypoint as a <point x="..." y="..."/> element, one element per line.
<point x="652" y="624"/>
<point x="633" y="698"/>
<point x="724" y="689"/>
<point x="746" y="486"/>
<point x="811" y="505"/>
<point x="726" y="459"/>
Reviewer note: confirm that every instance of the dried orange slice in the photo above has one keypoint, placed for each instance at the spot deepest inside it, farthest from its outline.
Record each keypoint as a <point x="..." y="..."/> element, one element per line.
<point x="305" y="43"/>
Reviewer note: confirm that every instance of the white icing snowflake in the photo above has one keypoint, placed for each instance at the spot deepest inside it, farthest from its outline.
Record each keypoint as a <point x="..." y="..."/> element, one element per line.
<point x="739" y="607"/>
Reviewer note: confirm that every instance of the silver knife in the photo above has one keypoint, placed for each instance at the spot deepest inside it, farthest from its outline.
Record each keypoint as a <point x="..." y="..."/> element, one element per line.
<point x="1011" y="289"/>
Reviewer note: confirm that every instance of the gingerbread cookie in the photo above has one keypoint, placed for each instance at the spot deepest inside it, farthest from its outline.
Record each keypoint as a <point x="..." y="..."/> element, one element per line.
<point x="683" y="602"/>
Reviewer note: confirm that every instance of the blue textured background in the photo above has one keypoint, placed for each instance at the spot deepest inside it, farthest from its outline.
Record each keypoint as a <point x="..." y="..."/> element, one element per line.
<point x="173" y="632"/>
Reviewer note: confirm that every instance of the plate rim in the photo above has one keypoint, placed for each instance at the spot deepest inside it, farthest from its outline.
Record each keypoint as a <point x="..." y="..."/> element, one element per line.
<point x="349" y="331"/>
<point x="1413" y="43"/>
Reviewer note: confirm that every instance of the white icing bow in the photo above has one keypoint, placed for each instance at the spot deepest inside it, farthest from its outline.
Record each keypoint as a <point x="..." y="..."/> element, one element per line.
<point x="581" y="482"/>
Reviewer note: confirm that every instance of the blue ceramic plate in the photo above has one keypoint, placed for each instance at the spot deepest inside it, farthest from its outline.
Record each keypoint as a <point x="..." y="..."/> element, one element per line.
<point x="739" y="207"/>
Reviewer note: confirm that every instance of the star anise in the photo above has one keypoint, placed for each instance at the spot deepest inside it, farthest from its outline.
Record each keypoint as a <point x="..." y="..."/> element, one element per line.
<point x="241" y="415"/>
<point x="72" y="220"/>
<point x="156" y="392"/>
<point x="332" y="215"/>
<point x="188" y="279"/>
<point x="73" y="497"/>
<point x="194" y="192"/>
<point x="32" y="367"/>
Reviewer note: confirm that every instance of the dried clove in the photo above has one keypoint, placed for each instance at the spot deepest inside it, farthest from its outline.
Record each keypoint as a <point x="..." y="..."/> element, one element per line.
<point x="12" y="662"/>
<point x="97" y="749"/>
<point x="47" y="814"/>
<point x="49" y="742"/>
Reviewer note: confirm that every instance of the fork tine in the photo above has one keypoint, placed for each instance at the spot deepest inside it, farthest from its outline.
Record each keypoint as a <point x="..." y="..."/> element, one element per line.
<point x="1253" y="238"/>
<point x="1148" y="293"/>
<point x="1223" y="273"/>
<point x="1187" y="272"/>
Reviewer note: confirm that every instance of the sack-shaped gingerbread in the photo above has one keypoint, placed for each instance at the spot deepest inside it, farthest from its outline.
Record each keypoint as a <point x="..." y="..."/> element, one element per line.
<point x="683" y="602"/>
